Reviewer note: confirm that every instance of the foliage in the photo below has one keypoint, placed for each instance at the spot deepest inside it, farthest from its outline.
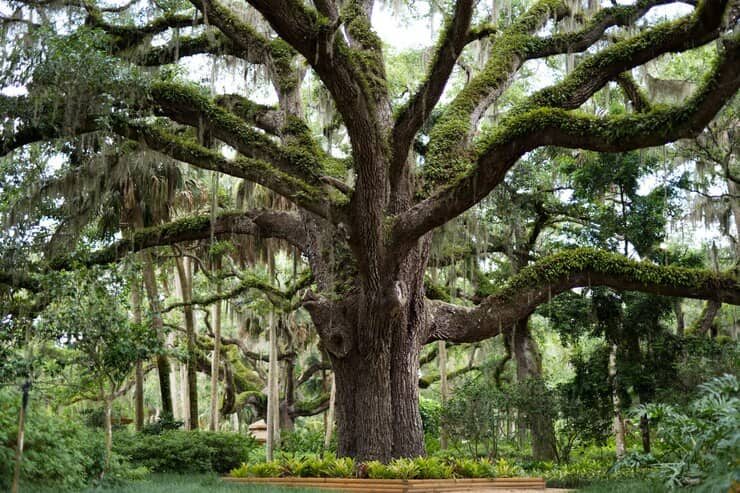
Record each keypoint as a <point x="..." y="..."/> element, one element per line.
<point x="473" y="415"/>
<point x="305" y="439"/>
<point x="59" y="453"/>
<point x="165" y="422"/>
<point x="700" y="443"/>
<point x="185" y="451"/>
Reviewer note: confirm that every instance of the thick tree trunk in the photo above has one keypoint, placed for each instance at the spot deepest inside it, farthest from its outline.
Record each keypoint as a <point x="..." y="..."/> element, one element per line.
<point x="377" y="390"/>
<point x="163" y="364"/>
<point x="363" y="406"/>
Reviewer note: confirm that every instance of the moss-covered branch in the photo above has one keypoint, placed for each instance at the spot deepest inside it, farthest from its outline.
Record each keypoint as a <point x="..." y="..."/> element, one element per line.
<point x="278" y="297"/>
<point x="189" y="106"/>
<point x="256" y="170"/>
<point x="413" y="115"/>
<point x="548" y="126"/>
<point x="448" y="152"/>
<point x="263" y="223"/>
<point x="128" y="36"/>
<point x="426" y="381"/>
<point x="583" y="267"/>
<point x="703" y="26"/>
<point x="214" y="43"/>
<point x="592" y="31"/>
<point x="634" y="94"/>
<point x="29" y="128"/>
<point x="268" y="118"/>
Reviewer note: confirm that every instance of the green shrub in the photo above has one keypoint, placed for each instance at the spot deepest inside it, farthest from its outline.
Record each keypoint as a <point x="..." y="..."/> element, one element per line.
<point x="58" y="453"/>
<point x="185" y="451"/>
<point x="164" y="423"/>
<point x="471" y="468"/>
<point x="308" y="465"/>
<point x="433" y="468"/>
<point x="261" y="470"/>
<point x="305" y="439"/>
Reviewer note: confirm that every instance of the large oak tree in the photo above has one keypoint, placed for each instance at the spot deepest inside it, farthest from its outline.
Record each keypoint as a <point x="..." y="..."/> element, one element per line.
<point x="363" y="222"/>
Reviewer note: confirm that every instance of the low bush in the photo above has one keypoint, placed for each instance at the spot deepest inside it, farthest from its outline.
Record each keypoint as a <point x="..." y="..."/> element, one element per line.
<point x="309" y="465"/>
<point x="59" y="454"/>
<point x="185" y="451"/>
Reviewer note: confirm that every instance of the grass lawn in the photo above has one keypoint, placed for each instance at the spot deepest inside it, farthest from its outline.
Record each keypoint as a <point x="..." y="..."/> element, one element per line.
<point x="192" y="483"/>
<point x="630" y="486"/>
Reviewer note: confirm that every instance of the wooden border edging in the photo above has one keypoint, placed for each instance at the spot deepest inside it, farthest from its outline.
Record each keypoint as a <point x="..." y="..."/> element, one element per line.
<point x="401" y="485"/>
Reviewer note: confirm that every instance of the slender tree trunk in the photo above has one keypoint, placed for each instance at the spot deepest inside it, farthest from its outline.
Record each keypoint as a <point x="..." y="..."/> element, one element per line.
<point x="330" y="413"/>
<point x="185" y="275"/>
<point x="272" y="392"/>
<point x="139" y="373"/>
<point x="177" y="404"/>
<point x="163" y="364"/>
<point x="15" y="487"/>
<point x="215" y="362"/>
<point x="286" y="406"/>
<point x="618" y="422"/>
<point x="191" y="421"/>
<point x="139" y="396"/>
<point x="705" y="322"/>
<point x="645" y="433"/>
<point x="108" y="434"/>
<point x="680" y="320"/>
<point x="443" y="390"/>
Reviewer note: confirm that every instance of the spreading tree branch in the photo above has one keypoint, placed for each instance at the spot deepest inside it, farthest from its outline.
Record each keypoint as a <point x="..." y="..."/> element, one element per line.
<point x="286" y="226"/>
<point x="539" y="282"/>
<point x="252" y="169"/>
<point x="417" y="110"/>
<point x="550" y="126"/>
